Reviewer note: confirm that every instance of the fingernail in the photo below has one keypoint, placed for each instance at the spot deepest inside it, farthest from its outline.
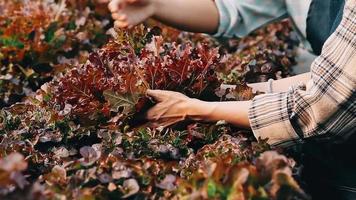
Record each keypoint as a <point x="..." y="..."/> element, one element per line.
<point x="122" y="17"/>
<point x="114" y="16"/>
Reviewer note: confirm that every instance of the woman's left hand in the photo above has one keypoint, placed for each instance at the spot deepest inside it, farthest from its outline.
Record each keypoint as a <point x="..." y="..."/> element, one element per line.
<point x="172" y="107"/>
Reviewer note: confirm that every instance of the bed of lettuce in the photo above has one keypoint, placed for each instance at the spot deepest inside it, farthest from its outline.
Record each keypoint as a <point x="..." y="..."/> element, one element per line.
<point x="72" y="123"/>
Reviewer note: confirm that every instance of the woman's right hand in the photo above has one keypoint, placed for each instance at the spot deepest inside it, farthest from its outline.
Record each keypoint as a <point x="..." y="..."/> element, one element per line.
<point x="128" y="13"/>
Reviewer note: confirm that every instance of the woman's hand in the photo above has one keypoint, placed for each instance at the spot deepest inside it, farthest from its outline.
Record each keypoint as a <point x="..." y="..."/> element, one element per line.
<point x="173" y="107"/>
<point x="188" y="15"/>
<point x="128" y="13"/>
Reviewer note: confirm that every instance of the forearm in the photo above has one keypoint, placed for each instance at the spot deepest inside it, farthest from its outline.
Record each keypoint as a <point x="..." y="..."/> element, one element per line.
<point x="233" y="112"/>
<point x="188" y="15"/>
<point x="281" y="85"/>
<point x="236" y="112"/>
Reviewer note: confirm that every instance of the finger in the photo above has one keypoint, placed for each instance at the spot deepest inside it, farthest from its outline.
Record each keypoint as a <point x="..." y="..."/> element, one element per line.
<point x="166" y="123"/>
<point x="161" y="111"/>
<point x="120" y="24"/>
<point x="115" y="16"/>
<point x="150" y="115"/>
<point x="114" y="5"/>
<point x="130" y="26"/>
<point x="155" y="113"/>
<point x="167" y="116"/>
<point x="158" y="95"/>
<point x="162" y="95"/>
<point x="168" y="93"/>
<point x="161" y="114"/>
<point x="120" y="17"/>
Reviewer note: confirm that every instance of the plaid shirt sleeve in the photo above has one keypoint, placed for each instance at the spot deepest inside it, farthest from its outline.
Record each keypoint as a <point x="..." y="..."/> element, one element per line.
<point x="325" y="107"/>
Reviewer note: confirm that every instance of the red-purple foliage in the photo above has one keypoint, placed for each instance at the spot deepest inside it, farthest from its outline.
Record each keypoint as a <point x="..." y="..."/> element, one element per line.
<point x="116" y="70"/>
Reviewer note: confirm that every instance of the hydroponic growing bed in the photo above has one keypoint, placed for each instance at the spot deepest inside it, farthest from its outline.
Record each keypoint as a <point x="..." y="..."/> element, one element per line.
<point x="73" y="103"/>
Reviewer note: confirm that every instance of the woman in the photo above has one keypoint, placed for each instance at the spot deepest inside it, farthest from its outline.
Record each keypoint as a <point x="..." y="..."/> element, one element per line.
<point x="320" y="108"/>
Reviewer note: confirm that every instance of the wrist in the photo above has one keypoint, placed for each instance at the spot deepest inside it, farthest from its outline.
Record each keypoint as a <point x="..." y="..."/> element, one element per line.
<point x="199" y="110"/>
<point x="155" y="5"/>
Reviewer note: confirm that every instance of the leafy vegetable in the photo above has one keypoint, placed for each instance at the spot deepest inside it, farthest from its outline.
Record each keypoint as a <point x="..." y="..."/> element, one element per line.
<point x="76" y="133"/>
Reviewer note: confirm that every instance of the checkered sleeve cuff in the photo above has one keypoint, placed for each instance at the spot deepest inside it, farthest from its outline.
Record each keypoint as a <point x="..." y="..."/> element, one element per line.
<point x="269" y="117"/>
<point x="325" y="108"/>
